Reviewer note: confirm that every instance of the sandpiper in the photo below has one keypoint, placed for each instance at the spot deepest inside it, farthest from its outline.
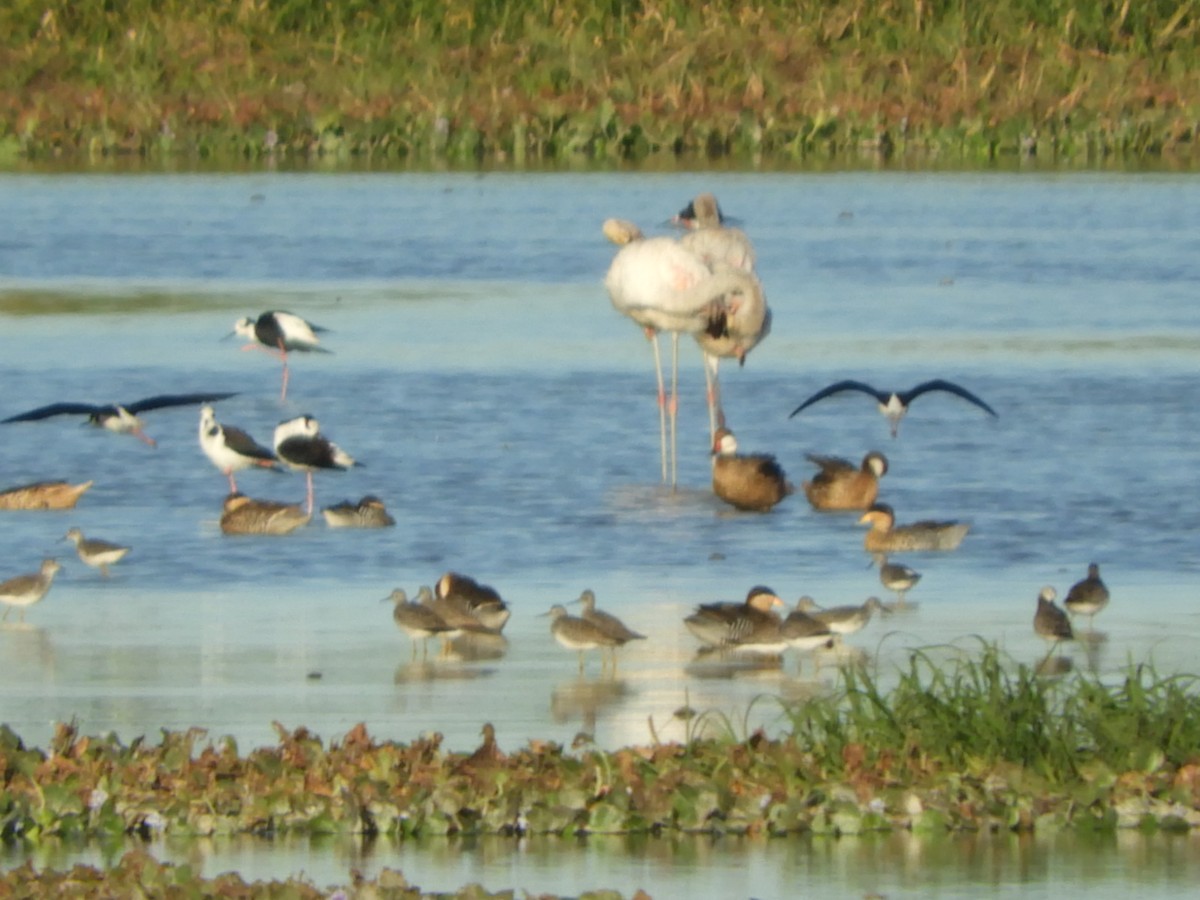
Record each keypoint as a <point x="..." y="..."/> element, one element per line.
<point x="607" y="622"/>
<point x="300" y="445"/>
<point x="26" y="590"/>
<point x="280" y="332"/>
<point x="841" y="619"/>
<point x="94" y="552"/>
<point x="897" y="577"/>
<point x="231" y="449"/>
<point x="803" y="631"/>
<point x="885" y="535"/>
<point x="1089" y="596"/>
<point x="417" y="620"/>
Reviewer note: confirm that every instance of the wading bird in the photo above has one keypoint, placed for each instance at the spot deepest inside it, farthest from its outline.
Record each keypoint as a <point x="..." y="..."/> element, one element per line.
<point x="120" y="418"/>
<point x="894" y="404"/>
<point x="300" y="445"/>
<point x="281" y="333"/>
<point x="230" y="449"/>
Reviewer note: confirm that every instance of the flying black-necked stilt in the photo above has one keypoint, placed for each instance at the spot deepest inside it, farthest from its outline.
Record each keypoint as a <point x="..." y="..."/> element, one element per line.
<point x="26" y="590"/>
<point x="44" y="495"/>
<point x="369" y="512"/>
<point x="230" y="448"/>
<point x="894" y="404"/>
<point x="300" y="445"/>
<point x="750" y="481"/>
<point x="94" y="552"/>
<point x="242" y="515"/>
<point x="279" y="332"/>
<point x="841" y="485"/>
<point x="121" y="418"/>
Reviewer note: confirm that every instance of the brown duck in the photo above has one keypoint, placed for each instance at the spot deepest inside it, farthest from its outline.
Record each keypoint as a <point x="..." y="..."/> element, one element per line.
<point x="841" y="485"/>
<point x="752" y="481"/>
<point x="243" y="515"/>
<point x="752" y="624"/>
<point x="1049" y="621"/>
<point x="886" y="536"/>
<point x="1087" y="597"/>
<point x="44" y="495"/>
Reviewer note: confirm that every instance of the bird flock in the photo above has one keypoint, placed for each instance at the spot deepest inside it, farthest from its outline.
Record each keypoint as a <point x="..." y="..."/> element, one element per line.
<point x="702" y="284"/>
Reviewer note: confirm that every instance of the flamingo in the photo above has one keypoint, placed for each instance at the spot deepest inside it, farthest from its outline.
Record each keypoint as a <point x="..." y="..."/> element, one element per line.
<point x="663" y="286"/>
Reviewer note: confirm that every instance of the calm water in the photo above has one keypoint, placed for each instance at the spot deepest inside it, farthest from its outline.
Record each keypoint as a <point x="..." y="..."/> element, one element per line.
<point x="506" y="415"/>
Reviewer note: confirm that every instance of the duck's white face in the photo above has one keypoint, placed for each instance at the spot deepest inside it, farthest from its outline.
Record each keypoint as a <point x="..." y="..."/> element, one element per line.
<point x="877" y="464"/>
<point x="1048" y="593"/>
<point x="727" y="444"/>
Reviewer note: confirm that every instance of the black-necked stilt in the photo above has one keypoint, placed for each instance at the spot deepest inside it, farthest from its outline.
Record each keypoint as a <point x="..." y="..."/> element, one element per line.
<point x="1089" y="596"/>
<point x="1049" y="621"/>
<point x="894" y="404"/>
<point x="751" y="481"/>
<point x="841" y="485"/>
<point x="300" y="445"/>
<point x="26" y="590"/>
<point x="369" y="512"/>
<point x="243" y="515"/>
<point x="44" y="495"/>
<point x="121" y="418"/>
<point x="229" y="448"/>
<point x="480" y="601"/>
<point x="280" y="332"/>
<point x="94" y="552"/>
<point x="752" y="624"/>
<point x="417" y="620"/>
<point x="885" y="535"/>
<point x="663" y="286"/>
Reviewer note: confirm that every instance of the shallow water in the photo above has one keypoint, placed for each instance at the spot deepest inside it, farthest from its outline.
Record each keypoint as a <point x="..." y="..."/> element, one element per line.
<point x="505" y="413"/>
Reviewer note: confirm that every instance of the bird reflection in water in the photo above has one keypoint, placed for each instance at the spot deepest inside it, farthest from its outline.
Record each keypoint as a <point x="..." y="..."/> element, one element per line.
<point x="584" y="700"/>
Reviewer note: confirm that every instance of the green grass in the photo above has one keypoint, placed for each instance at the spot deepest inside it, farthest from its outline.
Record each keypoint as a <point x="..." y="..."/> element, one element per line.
<point x="536" y="83"/>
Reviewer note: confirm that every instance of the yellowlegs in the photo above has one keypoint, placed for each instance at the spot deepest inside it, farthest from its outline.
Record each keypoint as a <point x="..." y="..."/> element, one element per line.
<point x="300" y="445"/>
<point x="841" y="619"/>
<point x="579" y="634"/>
<point x="1089" y="596"/>
<point x="897" y="577"/>
<point x="44" y="495"/>
<point x="118" y="418"/>
<point x="243" y="515"/>
<point x="607" y="622"/>
<point x="280" y="332"/>
<point x="94" y="552"/>
<point x="751" y="625"/>
<point x="369" y="512"/>
<point x="230" y="449"/>
<point x="841" y="485"/>
<point x="803" y="631"/>
<point x="885" y="535"/>
<point x="753" y="481"/>
<point x="26" y="590"/>
<point x="417" y="620"/>
<point x="1049" y="621"/>
<point x="894" y="404"/>
<point x="481" y="602"/>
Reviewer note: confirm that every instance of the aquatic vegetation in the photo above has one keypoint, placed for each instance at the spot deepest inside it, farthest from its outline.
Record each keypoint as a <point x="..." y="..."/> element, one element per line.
<point x="542" y="82"/>
<point x="974" y="745"/>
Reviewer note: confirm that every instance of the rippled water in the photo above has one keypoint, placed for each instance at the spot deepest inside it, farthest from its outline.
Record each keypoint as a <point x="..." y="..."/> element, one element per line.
<point x="506" y="415"/>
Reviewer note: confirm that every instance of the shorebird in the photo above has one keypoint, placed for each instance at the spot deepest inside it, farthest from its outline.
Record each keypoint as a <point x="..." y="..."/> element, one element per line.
<point x="662" y="286"/>
<point x="841" y="619"/>
<point x="417" y="620"/>
<point x="231" y="449"/>
<point x="455" y="611"/>
<point x="897" y="577"/>
<point x="607" y="622"/>
<point x="44" y="495"/>
<point x="894" y="404"/>
<point x="369" y="512"/>
<point x="279" y="332"/>
<point x="1049" y="621"/>
<point x="579" y="634"/>
<point x="885" y="535"/>
<point x="479" y="601"/>
<point x="300" y="445"/>
<point x="26" y="590"/>
<point x="121" y="418"/>
<point x="803" y="631"/>
<point x="243" y="515"/>
<point x="752" y="625"/>
<point x="94" y="552"/>
<point x="841" y="485"/>
<point x="1089" y="596"/>
<point x="752" y="481"/>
